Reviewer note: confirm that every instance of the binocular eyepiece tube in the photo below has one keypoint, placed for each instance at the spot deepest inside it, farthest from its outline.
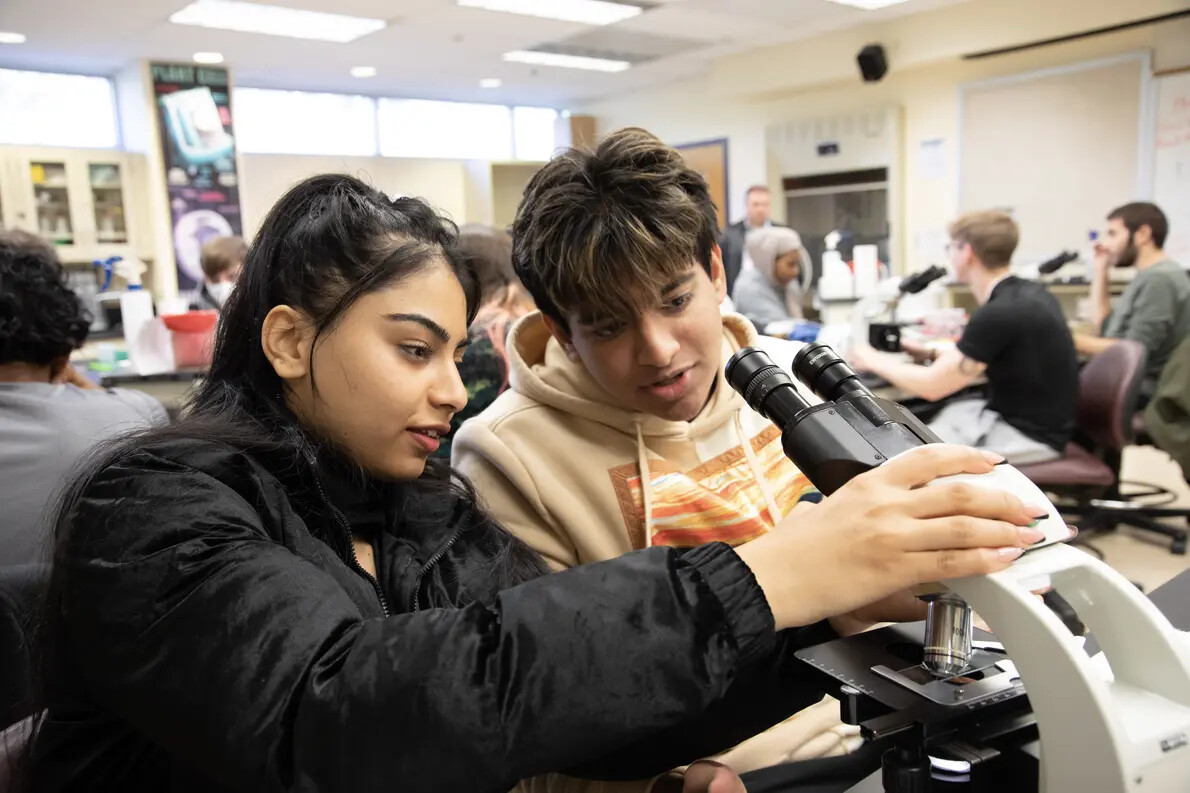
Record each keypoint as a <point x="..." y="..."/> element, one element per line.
<point x="770" y="391"/>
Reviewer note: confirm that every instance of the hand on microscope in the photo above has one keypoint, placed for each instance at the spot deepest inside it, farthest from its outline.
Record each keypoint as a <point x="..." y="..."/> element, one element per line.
<point x="920" y="353"/>
<point x="861" y="356"/>
<point x="853" y="555"/>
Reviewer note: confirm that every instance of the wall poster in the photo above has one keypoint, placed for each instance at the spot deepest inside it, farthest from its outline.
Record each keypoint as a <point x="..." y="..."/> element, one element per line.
<point x="194" y="114"/>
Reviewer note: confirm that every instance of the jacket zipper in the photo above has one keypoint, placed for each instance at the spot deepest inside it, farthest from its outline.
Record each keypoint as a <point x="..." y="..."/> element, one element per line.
<point x="415" y="598"/>
<point x="353" y="557"/>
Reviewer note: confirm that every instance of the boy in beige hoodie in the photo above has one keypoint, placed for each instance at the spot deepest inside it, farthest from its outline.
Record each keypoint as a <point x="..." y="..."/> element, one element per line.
<point x="618" y="430"/>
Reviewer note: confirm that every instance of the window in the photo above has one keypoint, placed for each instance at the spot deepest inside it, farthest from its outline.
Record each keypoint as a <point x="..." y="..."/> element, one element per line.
<point x="456" y="130"/>
<point x="46" y="109"/>
<point x="298" y="122"/>
<point x="533" y="132"/>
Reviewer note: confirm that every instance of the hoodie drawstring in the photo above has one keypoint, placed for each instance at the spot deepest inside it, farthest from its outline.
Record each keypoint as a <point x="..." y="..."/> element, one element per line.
<point x="646" y="482"/>
<point x="758" y="472"/>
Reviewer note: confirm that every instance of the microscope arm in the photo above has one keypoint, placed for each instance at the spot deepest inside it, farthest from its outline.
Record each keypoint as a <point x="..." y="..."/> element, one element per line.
<point x="1125" y="732"/>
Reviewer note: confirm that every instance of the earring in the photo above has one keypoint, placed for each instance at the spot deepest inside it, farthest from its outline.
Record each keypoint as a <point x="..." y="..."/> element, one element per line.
<point x="571" y="353"/>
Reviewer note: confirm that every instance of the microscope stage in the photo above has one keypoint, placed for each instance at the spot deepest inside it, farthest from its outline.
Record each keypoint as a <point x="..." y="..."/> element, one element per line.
<point x="884" y="668"/>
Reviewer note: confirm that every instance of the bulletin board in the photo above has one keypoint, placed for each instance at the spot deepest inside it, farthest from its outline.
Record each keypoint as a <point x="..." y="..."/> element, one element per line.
<point x="709" y="158"/>
<point x="1058" y="148"/>
<point x="1171" y="162"/>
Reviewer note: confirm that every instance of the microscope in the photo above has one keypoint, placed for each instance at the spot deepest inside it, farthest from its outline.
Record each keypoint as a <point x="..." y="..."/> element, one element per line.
<point x="1026" y="709"/>
<point x="886" y="336"/>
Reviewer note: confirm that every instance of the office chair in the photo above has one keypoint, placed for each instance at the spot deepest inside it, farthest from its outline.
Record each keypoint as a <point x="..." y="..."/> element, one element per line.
<point x="1086" y="478"/>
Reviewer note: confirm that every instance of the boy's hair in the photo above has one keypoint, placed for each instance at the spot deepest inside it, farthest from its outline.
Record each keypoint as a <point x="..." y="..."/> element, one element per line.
<point x="1142" y="213"/>
<point x="489" y="250"/>
<point x="604" y="231"/>
<point x="756" y="188"/>
<point x="992" y="235"/>
<point x="41" y="318"/>
<point x="222" y="254"/>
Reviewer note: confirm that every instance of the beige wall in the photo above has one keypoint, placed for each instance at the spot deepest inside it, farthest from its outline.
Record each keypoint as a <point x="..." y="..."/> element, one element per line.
<point x="819" y="77"/>
<point x="509" y="181"/>
<point x="265" y="177"/>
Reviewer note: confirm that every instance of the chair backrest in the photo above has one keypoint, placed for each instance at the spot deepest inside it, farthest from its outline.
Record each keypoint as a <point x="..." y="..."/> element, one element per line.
<point x="1108" y="386"/>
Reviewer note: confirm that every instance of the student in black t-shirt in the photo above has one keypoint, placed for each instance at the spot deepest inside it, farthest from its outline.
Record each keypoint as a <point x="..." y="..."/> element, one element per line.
<point x="1018" y="337"/>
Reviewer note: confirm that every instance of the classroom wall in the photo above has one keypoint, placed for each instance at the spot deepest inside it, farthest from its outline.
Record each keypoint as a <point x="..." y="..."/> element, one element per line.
<point x="264" y="178"/>
<point x="741" y="94"/>
<point x="509" y="181"/>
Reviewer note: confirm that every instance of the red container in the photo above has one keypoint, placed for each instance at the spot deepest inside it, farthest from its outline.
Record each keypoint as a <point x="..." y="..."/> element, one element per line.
<point x="193" y="337"/>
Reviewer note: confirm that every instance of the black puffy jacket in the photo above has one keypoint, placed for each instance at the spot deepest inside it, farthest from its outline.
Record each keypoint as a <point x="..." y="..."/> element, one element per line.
<point x="215" y="634"/>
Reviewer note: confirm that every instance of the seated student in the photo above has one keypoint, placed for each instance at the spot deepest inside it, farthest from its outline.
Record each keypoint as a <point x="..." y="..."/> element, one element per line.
<point x="280" y="591"/>
<point x="484" y="367"/>
<point x="768" y="291"/>
<point x="50" y="415"/>
<point x="221" y="260"/>
<point x="619" y="431"/>
<point x="1155" y="306"/>
<point x="1018" y="337"/>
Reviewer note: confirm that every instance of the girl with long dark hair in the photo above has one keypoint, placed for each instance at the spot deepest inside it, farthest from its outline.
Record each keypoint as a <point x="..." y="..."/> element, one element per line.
<point x="282" y="593"/>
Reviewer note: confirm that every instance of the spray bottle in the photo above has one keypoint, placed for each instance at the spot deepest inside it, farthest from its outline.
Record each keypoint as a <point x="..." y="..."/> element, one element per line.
<point x="146" y="337"/>
<point x="837" y="280"/>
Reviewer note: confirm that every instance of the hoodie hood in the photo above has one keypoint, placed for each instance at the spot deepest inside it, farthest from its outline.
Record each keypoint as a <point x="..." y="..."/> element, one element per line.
<point x="540" y="370"/>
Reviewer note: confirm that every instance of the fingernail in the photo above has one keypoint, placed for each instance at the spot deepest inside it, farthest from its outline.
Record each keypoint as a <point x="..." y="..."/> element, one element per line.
<point x="1008" y="554"/>
<point x="992" y="457"/>
<point x="1030" y="535"/>
<point x="853" y="743"/>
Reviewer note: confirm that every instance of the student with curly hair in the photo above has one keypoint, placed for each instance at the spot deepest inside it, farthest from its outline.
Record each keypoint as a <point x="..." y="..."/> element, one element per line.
<point x="49" y="415"/>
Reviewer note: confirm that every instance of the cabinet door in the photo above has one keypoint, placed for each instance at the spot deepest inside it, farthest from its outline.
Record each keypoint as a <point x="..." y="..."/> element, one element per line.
<point x="52" y="215"/>
<point x="105" y="183"/>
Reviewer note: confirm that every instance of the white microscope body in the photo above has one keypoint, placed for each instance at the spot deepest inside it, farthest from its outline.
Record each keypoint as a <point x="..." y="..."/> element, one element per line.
<point x="1116" y="723"/>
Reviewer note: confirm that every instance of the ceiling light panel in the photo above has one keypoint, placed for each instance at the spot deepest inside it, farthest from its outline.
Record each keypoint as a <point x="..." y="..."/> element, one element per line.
<point x="272" y="20"/>
<point x="587" y="12"/>
<point x="566" y="61"/>
<point x="867" y="5"/>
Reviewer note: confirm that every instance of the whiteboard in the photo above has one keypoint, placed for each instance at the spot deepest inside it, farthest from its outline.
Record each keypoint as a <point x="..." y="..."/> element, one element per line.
<point x="1171" y="162"/>
<point x="1058" y="148"/>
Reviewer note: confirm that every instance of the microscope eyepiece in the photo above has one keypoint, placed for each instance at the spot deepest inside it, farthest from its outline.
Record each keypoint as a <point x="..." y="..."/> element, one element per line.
<point x="767" y="388"/>
<point x="824" y="372"/>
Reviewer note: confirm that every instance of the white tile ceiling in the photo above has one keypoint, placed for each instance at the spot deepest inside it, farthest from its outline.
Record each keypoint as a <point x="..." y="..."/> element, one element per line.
<point x="431" y="49"/>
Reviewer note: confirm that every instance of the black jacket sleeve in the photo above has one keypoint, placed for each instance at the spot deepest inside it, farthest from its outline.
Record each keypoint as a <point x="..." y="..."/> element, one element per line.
<point x="239" y="656"/>
<point x="765" y="693"/>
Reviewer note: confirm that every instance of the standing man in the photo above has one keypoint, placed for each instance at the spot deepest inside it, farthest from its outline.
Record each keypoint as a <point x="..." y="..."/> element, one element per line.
<point x="758" y="202"/>
<point x="1017" y="337"/>
<point x="1155" y="308"/>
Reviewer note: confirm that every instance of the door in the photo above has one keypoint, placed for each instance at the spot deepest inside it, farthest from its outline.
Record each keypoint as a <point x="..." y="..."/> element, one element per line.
<point x="709" y="158"/>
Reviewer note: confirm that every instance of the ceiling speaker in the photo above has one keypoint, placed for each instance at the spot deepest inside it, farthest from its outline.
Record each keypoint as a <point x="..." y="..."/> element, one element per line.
<point x="873" y="65"/>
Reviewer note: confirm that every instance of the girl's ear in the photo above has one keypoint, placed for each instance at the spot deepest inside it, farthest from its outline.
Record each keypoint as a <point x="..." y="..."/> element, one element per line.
<point x="287" y="337"/>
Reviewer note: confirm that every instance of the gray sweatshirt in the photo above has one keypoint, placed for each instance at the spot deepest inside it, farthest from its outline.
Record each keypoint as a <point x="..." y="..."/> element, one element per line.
<point x="1154" y="310"/>
<point x="45" y="430"/>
